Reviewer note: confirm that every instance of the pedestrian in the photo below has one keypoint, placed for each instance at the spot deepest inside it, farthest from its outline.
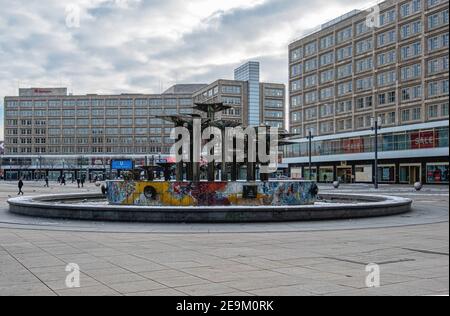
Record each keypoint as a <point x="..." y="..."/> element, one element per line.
<point x="83" y="179"/>
<point x="46" y="182"/>
<point x="78" y="182"/>
<point x="20" y="185"/>
<point x="63" y="180"/>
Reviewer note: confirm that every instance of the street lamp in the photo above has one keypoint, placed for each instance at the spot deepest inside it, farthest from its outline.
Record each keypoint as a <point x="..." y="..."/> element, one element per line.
<point x="376" y="126"/>
<point x="310" y="137"/>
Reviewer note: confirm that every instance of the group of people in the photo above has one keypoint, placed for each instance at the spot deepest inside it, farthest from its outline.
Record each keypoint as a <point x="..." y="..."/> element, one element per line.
<point x="61" y="180"/>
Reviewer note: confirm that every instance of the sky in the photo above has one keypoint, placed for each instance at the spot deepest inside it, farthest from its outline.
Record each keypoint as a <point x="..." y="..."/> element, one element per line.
<point x="145" y="46"/>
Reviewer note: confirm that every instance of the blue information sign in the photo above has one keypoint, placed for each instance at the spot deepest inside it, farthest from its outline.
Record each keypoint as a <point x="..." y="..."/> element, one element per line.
<point x="122" y="164"/>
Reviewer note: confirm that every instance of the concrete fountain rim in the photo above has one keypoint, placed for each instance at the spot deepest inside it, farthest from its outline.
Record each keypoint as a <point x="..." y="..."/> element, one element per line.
<point x="373" y="206"/>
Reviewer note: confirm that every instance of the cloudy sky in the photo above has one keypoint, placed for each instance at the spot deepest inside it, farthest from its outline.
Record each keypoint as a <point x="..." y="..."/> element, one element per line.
<point x="144" y="46"/>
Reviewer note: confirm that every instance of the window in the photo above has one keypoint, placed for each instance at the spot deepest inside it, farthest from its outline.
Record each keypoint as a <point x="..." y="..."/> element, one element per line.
<point x="326" y="127"/>
<point x="296" y="101"/>
<point x="344" y="53"/>
<point x="311" y="113"/>
<point x="387" y="17"/>
<point x="344" y="88"/>
<point x="296" y="54"/>
<point x="344" y="35"/>
<point x="296" y="70"/>
<point x="327" y="76"/>
<point x="438" y="19"/>
<point x="310" y="48"/>
<point x="310" y="81"/>
<point x="433" y="111"/>
<point x="311" y="97"/>
<point x="231" y="100"/>
<point x="344" y="71"/>
<point x="411" y="72"/>
<point x="274" y="92"/>
<point x="296" y="117"/>
<point x="410" y="51"/>
<point x="231" y="90"/>
<point x="386" y="38"/>
<point x="363" y="84"/>
<point x="386" y="78"/>
<point x="364" y="64"/>
<point x="310" y="65"/>
<point x="326" y="93"/>
<point x="326" y="59"/>
<point x="411" y="93"/>
<point x="364" y="46"/>
<point x="327" y="41"/>
<point x="344" y="106"/>
<point x="411" y="29"/>
<point x="438" y="65"/>
<point x="437" y="88"/>
<point x="438" y="42"/>
<point x="296" y="85"/>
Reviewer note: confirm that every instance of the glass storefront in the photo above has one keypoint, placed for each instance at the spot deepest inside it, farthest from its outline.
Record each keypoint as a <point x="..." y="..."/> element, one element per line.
<point x="437" y="173"/>
<point x="418" y="139"/>
<point x="313" y="173"/>
<point x="386" y="173"/>
<point x="410" y="174"/>
<point x="344" y="174"/>
<point x="326" y="174"/>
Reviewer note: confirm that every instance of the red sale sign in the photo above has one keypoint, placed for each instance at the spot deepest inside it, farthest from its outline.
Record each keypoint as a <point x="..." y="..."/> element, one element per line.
<point x="423" y="140"/>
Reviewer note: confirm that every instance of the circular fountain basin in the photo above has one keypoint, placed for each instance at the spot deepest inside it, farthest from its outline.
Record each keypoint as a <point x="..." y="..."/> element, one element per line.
<point x="94" y="207"/>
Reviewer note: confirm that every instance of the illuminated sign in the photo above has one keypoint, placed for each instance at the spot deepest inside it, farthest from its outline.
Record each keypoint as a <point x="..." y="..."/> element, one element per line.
<point x="122" y="164"/>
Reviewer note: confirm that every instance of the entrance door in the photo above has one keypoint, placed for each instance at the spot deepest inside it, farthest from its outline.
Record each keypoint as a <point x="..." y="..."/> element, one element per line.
<point x="414" y="171"/>
<point x="410" y="174"/>
<point x="344" y="174"/>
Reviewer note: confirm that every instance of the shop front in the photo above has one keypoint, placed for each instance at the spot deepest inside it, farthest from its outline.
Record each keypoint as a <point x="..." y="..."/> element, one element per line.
<point x="344" y="174"/>
<point x="437" y="173"/>
<point x="410" y="173"/>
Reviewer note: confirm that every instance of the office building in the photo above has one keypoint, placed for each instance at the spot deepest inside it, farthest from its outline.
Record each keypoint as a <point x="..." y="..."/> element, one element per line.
<point x="390" y="65"/>
<point x="49" y="132"/>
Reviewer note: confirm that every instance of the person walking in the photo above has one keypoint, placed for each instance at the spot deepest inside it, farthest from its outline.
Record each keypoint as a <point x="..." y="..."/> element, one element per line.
<point x="20" y="185"/>
<point x="78" y="182"/>
<point x="46" y="182"/>
<point x="63" y="180"/>
<point x="83" y="179"/>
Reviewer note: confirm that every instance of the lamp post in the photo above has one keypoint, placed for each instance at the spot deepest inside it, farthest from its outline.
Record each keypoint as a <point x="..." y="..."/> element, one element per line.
<point x="310" y="137"/>
<point x="376" y="126"/>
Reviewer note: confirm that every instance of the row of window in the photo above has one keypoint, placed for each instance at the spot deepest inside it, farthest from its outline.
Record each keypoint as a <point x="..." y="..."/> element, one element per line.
<point x="412" y="50"/>
<point x="419" y="139"/>
<point x="433" y="111"/>
<point x="434" y="88"/>
<point x="99" y="103"/>
<point x="89" y="150"/>
<point x="433" y="21"/>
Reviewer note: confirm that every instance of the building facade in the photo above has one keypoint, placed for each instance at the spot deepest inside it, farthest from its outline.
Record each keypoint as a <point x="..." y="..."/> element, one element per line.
<point x="390" y="65"/>
<point x="49" y="132"/>
<point x="250" y="73"/>
<point x="48" y="129"/>
<point x="272" y="105"/>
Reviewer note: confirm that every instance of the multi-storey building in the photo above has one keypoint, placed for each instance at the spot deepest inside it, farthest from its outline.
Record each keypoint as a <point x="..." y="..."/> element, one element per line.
<point x="241" y="95"/>
<point x="249" y="72"/>
<point x="50" y="132"/>
<point x="390" y="65"/>
<point x="232" y="93"/>
<point x="272" y="104"/>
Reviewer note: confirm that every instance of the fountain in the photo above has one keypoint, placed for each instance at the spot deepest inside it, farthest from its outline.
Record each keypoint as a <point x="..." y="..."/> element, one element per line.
<point x="139" y="197"/>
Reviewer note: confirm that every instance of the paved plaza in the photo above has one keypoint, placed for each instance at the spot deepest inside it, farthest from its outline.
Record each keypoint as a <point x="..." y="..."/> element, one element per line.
<point x="309" y="258"/>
